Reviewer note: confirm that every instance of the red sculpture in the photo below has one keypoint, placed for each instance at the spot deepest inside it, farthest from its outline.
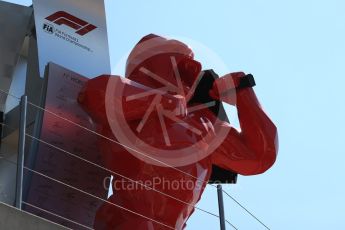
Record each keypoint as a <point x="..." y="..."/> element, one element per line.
<point x="168" y="66"/>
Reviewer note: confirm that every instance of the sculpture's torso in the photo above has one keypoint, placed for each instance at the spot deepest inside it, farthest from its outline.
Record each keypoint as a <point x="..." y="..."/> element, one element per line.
<point x="181" y="186"/>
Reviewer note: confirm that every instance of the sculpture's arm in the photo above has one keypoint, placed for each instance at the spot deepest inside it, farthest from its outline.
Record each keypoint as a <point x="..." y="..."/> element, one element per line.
<point x="131" y="99"/>
<point x="253" y="150"/>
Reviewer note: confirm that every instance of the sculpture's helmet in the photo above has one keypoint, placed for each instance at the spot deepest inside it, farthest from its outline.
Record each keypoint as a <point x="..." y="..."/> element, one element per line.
<point x="159" y="62"/>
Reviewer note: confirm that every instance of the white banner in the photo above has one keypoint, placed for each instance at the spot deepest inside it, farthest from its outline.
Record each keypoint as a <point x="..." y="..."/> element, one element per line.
<point x="73" y="34"/>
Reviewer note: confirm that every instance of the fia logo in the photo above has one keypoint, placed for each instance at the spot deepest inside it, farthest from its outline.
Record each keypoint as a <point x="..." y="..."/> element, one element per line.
<point x="48" y="28"/>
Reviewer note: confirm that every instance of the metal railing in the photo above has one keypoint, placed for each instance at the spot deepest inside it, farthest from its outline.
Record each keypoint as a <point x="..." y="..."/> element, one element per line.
<point x="21" y="167"/>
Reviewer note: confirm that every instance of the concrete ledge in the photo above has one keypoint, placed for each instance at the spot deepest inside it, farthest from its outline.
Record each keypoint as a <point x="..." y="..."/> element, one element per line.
<point x="15" y="219"/>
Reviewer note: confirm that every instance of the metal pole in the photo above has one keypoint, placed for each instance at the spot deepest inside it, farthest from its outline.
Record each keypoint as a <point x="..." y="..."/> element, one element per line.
<point x="21" y="149"/>
<point x="221" y="207"/>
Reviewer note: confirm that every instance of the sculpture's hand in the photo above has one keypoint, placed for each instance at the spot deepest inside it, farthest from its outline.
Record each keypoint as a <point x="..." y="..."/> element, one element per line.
<point x="226" y="88"/>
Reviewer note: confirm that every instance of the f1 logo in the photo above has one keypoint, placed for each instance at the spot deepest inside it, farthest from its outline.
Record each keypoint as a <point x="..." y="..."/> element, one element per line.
<point x="63" y="18"/>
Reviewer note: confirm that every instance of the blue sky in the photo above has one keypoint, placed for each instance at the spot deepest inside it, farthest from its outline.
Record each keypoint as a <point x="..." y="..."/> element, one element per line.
<point x="296" y="51"/>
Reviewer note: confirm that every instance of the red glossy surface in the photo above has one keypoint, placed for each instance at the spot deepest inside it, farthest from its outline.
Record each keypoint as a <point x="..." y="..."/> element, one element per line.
<point x="250" y="151"/>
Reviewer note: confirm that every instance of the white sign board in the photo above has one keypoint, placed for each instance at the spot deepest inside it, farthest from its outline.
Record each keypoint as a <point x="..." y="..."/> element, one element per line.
<point x="73" y="34"/>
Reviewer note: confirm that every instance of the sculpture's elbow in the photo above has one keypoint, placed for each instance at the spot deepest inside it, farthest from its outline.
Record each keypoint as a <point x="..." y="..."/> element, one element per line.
<point x="268" y="154"/>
